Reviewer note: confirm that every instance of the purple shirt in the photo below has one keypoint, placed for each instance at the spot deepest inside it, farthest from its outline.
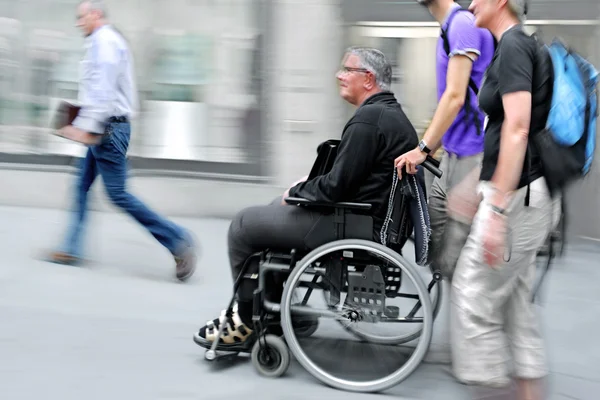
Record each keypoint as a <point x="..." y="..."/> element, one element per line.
<point x="462" y="138"/>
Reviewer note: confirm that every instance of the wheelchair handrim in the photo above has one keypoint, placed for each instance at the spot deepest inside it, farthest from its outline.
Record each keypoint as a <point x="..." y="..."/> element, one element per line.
<point x="369" y="386"/>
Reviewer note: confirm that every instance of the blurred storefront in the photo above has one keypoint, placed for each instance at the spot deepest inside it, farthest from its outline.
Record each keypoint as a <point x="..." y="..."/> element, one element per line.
<point x="241" y="88"/>
<point x="198" y="68"/>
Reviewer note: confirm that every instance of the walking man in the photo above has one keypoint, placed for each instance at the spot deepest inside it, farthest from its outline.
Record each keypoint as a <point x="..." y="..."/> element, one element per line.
<point x="107" y="95"/>
<point x="462" y="56"/>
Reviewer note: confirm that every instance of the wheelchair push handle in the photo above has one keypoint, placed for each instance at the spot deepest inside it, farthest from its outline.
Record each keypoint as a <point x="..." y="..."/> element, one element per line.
<point x="432" y="165"/>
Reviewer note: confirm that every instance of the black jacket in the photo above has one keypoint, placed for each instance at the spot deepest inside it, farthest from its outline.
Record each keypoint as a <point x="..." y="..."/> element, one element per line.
<point x="363" y="170"/>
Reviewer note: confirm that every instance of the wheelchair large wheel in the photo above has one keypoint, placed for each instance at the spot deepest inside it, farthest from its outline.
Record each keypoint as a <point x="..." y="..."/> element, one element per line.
<point x="311" y="364"/>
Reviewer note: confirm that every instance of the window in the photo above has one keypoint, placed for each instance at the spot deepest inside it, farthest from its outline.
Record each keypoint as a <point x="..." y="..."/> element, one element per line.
<point x="198" y="71"/>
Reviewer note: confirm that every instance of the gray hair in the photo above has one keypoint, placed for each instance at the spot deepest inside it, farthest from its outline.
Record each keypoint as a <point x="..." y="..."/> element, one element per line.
<point x="518" y="8"/>
<point x="376" y="62"/>
<point x="96" y="5"/>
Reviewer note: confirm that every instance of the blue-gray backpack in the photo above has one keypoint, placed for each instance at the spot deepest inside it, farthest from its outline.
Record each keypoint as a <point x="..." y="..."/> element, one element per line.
<point x="566" y="145"/>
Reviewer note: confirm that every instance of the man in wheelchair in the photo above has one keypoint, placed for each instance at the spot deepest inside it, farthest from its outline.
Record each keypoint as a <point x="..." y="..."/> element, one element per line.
<point x="362" y="172"/>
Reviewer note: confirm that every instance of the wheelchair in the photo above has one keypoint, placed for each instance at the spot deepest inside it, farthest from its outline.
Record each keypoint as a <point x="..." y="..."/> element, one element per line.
<point x="357" y="277"/>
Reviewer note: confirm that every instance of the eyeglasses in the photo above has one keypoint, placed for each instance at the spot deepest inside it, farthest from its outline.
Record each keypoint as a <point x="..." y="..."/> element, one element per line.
<point x="345" y="69"/>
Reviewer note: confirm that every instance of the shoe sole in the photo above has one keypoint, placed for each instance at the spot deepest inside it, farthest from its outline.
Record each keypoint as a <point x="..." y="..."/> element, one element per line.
<point x="69" y="263"/>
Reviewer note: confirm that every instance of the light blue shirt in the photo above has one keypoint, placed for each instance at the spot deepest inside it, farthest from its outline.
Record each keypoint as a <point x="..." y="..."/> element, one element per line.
<point x="106" y="84"/>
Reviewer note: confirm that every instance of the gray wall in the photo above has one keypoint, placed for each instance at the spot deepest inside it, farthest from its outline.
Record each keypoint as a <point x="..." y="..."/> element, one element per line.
<point x="410" y="10"/>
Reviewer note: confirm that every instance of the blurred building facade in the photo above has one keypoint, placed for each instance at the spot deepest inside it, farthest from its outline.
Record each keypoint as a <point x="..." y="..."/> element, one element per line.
<point x="240" y="89"/>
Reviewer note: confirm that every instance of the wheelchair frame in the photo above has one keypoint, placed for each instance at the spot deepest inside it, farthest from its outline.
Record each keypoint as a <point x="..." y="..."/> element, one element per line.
<point x="270" y="355"/>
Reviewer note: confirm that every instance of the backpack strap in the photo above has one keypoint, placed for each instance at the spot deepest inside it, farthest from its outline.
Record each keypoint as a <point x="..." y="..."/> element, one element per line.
<point x="446" y="41"/>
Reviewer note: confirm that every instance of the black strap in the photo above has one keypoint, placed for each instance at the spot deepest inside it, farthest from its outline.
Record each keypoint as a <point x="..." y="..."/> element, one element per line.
<point x="473" y="86"/>
<point x="538" y="284"/>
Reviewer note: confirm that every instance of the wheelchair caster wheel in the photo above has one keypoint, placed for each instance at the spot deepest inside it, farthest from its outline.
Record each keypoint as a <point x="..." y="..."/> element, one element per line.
<point x="210" y="355"/>
<point x="272" y="357"/>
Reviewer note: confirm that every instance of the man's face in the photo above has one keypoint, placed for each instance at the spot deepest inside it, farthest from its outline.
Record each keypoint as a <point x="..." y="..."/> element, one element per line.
<point x="354" y="81"/>
<point x="484" y="11"/>
<point x="86" y="19"/>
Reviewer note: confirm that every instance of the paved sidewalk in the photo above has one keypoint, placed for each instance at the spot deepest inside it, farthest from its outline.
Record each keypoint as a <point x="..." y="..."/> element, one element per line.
<point x="121" y="327"/>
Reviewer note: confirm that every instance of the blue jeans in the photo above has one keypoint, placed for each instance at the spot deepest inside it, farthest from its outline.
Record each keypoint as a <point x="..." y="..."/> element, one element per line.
<point x="109" y="160"/>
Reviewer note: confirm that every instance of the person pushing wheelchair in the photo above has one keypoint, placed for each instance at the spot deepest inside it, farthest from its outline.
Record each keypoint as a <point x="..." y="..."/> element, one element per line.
<point x="362" y="172"/>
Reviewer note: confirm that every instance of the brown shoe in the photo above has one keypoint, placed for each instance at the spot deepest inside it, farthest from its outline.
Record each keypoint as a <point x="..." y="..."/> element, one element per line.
<point x="185" y="265"/>
<point x="186" y="258"/>
<point x="59" y="257"/>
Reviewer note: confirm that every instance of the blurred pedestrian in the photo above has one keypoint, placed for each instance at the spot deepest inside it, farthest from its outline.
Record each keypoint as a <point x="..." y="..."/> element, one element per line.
<point x="107" y="96"/>
<point x="495" y="334"/>
<point x="463" y="53"/>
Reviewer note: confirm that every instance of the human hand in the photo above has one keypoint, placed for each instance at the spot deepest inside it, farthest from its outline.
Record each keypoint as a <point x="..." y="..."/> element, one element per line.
<point x="73" y="133"/>
<point x="287" y="192"/>
<point x="494" y="239"/>
<point x="303" y="179"/>
<point x="285" y="195"/>
<point x="409" y="160"/>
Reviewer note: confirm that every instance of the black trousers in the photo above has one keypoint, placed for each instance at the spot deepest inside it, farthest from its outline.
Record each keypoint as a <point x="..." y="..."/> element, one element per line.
<point x="273" y="226"/>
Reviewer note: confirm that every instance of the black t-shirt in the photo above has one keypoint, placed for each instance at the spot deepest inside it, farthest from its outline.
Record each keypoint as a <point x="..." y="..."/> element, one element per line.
<point x="517" y="66"/>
